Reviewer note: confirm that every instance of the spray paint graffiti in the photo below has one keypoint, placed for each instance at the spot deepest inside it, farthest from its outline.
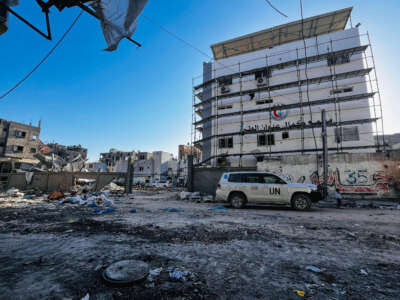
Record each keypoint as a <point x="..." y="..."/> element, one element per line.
<point x="356" y="182"/>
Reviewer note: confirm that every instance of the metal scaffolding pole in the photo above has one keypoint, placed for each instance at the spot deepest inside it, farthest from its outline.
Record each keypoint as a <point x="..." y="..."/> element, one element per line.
<point x="324" y="153"/>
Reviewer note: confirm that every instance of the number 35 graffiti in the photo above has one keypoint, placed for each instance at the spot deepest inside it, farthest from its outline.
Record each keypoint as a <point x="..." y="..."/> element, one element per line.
<point x="358" y="177"/>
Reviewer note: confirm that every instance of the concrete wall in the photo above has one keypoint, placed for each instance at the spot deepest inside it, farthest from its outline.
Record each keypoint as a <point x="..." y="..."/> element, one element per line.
<point x="205" y="180"/>
<point x="357" y="175"/>
<point x="61" y="181"/>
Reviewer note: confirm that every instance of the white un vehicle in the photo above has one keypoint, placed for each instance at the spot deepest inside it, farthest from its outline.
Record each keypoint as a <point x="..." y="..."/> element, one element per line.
<point x="239" y="188"/>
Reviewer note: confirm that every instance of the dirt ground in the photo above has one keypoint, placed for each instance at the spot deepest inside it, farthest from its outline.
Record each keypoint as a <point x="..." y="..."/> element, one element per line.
<point x="58" y="251"/>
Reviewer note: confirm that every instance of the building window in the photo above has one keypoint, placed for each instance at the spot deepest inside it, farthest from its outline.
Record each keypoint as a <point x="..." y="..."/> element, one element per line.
<point x="225" y="81"/>
<point x="342" y="90"/>
<point x="264" y="101"/>
<point x="225" y="142"/>
<point x="34" y="137"/>
<point x="224" y="107"/>
<point x="285" y="135"/>
<point x="335" y="59"/>
<point x="141" y="157"/>
<point x="347" y="134"/>
<point x="141" y="169"/>
<point x="270" y="139"/>
<point x="261" y="140"/>
<point x="260" y="158"/>
<point x="18" y="149"/>
<point x="263" y="74"/>
<point x="20" y="134"/>
<point x="33" y="150"/>
<point x="266" y="140"/>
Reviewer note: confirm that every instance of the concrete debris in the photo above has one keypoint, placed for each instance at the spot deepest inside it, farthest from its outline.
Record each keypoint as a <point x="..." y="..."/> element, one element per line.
<point x="112" y="187"/>
<point x="196" y="197"/>
<point x="363" y="272"/>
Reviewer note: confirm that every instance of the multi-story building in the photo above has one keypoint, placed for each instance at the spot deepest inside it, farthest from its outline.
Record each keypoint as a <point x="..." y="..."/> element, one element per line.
<point x="263" y="93"/>
<point x="18" y="144"/>
<point x="116" y="160"/>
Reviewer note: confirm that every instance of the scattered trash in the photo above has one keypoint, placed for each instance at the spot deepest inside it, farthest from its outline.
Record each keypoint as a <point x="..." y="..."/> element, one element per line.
<point x="29" y="197"/>
<point x="180" y="275"/>
<point x="218" y="207"/>
<point x="300" y="293"/>
<point x="13" y="192"/>
<point x="313" y="269"/>
<point x="56" y="196"/>
<point x="171" y="209"/>
<point x="86" y="297"/>
<point x="133" y="210"/>
<point x="104" y="211"/>
<point x="155" y="272"/>
<point x="363" y="272"/>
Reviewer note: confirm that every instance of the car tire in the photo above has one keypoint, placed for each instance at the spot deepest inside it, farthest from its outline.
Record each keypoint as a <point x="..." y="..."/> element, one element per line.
<point x="301" y="202"/>
<point x="237" y="200"/>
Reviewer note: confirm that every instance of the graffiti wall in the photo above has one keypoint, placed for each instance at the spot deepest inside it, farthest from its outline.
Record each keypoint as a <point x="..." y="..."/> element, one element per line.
<point x="353" y="174"/>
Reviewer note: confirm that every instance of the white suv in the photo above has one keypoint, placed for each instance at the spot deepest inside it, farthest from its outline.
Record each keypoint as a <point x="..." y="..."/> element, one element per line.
<point x="239" y="188"/>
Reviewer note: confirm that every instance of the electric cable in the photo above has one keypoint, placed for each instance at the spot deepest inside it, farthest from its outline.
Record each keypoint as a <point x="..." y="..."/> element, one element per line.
<point x="44" y="59"/>
<point x="277" y="10"/>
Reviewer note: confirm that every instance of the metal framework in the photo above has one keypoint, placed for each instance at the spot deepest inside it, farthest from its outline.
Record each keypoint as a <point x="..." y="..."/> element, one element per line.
<point x="368" y="76"/>
<point x="60" y="5"/>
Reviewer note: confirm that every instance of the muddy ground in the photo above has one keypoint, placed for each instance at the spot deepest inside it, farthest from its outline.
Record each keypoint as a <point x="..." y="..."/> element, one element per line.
<point x="53" y="251"/>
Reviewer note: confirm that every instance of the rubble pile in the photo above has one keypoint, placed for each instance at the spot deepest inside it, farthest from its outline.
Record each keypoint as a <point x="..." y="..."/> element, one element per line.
<point x="196" y="197"/>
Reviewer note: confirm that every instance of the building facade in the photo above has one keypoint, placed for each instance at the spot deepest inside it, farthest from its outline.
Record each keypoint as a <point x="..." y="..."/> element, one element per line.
<point x="18" y="144"/>
<point x="185" y="150"/>
<point x="116" y="160"/>
<point x="263" y="93"/>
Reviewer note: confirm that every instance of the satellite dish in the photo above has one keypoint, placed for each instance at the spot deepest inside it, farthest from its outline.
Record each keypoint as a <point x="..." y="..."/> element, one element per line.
<point x="118" y="18"/>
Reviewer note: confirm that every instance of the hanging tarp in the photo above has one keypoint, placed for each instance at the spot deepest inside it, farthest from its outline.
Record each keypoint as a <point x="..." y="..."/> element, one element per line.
<point x="118" y="19"/>
<point x="4" y="14"/>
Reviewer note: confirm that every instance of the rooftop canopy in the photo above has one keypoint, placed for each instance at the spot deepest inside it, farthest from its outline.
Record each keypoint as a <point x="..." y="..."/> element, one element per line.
<point x="278" y="35"/>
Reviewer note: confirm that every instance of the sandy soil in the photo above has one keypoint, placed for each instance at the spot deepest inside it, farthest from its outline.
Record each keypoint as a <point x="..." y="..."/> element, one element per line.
<point x="52" y="251"/>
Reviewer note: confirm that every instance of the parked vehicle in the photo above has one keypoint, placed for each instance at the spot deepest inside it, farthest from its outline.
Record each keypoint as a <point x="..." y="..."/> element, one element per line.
<point x="240" y="188"/>
<point x="162" y="184"/>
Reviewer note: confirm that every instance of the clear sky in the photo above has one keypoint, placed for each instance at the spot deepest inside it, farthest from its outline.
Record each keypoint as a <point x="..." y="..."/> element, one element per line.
<point x="140" y="99"/>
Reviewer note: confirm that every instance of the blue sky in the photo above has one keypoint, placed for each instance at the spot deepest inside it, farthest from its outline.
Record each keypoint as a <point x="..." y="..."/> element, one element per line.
<point x="140" y="99"/>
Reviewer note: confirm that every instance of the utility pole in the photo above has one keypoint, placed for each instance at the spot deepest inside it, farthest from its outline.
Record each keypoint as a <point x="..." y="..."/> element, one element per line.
<point x="324" y="153"/>
<point x="128" y="178"/>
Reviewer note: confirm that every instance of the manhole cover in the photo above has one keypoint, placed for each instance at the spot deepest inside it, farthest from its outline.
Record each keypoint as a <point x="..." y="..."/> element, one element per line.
<point x="126" y="272"/>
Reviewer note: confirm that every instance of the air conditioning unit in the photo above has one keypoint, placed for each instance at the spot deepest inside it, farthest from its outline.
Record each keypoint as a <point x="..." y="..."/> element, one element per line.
<point x="224" y="89"/>
<point x="261" y="81"/>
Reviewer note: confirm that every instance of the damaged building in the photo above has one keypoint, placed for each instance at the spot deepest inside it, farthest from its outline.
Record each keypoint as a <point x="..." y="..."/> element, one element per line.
<point x="117" y="160"/>
<point x="19" y="143"/>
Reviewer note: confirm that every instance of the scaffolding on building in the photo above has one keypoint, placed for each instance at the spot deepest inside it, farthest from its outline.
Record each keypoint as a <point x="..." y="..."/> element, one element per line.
<point x="367" y="74"/>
